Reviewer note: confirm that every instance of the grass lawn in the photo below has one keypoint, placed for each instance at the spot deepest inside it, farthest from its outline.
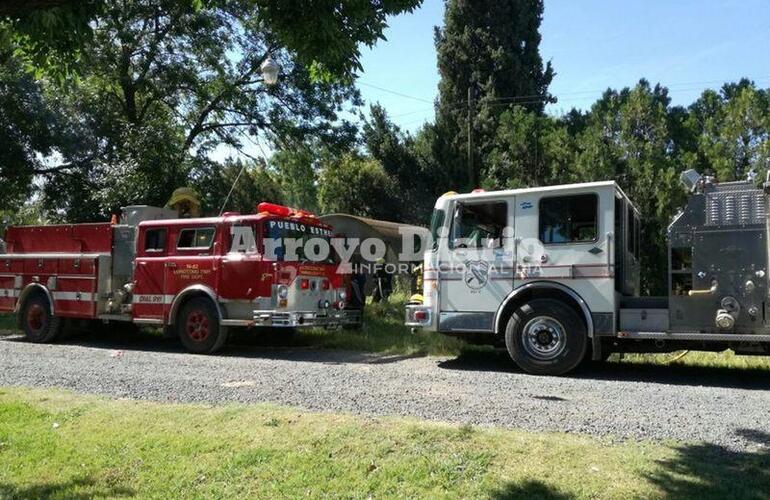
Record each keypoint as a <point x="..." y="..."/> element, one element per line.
<point x="57" y="444"/>
<point x="7" y="323"/>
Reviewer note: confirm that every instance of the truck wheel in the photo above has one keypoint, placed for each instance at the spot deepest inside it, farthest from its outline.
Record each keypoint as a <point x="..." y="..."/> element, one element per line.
<point x="546" y="337"/>
<point x="38" y="323"/>
<point x="198" y="327"/>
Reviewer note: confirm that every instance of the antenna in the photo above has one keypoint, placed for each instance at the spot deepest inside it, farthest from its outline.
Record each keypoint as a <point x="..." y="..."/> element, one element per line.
<point x="232" y="188"/>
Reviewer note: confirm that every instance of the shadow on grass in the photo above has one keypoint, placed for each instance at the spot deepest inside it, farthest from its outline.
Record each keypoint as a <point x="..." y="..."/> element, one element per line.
<point x="263" y="345"/>
<point x="706" y="471"/>
<point x="534" y="490"/>
<point x="75" y="489"/>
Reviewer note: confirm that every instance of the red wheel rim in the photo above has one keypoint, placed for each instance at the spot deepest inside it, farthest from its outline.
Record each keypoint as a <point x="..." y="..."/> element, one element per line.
<point x="36" y="317"/>
<point x="198" y="326"/>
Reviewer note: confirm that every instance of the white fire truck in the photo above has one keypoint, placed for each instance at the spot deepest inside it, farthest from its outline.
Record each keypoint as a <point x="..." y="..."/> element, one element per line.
<point x="552" y="273"/>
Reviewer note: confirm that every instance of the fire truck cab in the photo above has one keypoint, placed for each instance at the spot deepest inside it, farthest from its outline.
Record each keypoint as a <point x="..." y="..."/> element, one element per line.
<point x="195" y="277"/>
<point x="552" y="273"/>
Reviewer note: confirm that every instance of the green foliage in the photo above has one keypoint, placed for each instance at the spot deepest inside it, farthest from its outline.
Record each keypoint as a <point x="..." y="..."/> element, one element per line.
<point x="53" y="36"/>
<point x="328" y="34"/>
<point x="296" y="172"/>
<point x="27" y="133"/>
<point x="255" y="184"/>
<point x="491" y="47"/>
<point x="355" y="185"/>
<point x="409" y="162"/>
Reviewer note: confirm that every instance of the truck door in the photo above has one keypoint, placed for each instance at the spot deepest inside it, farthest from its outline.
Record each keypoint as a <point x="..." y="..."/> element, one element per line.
<point x="476" y="269"/>
<point x="192" y="261"/>
<point x="564" y="236"/>
<point x="149" y="274"/>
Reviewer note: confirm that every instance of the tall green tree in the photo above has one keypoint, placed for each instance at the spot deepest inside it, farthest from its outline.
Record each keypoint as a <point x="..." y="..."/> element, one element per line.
<point x="492" y="48"/>
<point x="530" y="149"/>
<point x="730" y="130"/>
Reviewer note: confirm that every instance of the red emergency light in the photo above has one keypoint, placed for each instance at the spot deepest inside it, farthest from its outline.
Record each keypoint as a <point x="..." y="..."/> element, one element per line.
<point x="274" y="209"/>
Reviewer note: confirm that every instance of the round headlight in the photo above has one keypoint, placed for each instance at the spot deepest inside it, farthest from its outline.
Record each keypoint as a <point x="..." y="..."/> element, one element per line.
<point x="283" y="291"/>
<point x="343" y="295"/>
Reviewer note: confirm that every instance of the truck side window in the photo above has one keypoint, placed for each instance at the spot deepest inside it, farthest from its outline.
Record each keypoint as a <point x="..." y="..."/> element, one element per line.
<point x="242" y="239"/>
<point x="198" y="238"/>
<point x="569" y="219"/>
<point x="631" y="242"/>
<point x="155" y="240"/>
<point x="479" y="225"/>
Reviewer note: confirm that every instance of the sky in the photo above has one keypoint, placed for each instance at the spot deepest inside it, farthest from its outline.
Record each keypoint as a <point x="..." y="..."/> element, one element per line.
<point x="685" y="45"/>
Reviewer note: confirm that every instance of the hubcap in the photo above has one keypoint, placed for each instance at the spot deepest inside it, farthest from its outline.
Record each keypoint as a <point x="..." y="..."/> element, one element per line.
<point x="198" y="326"/>
<point x="36" y="317"/>
<point x="543" y="338"/>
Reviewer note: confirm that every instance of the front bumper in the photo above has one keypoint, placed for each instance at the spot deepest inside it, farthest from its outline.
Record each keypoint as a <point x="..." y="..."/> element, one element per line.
<point x="296" y="319"/>
<point x="418" y="316"/>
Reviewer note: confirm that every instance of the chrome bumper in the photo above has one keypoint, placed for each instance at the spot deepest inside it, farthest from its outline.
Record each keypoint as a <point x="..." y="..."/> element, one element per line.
<point x="411" y="320"/>
<point x="295" y="319"/>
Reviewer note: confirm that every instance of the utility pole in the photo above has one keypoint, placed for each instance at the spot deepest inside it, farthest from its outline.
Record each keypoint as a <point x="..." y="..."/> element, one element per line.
<point x="472" y="180"/>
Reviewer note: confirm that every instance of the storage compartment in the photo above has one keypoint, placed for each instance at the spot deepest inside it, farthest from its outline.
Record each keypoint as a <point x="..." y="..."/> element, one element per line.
<point x="644" y="320"/>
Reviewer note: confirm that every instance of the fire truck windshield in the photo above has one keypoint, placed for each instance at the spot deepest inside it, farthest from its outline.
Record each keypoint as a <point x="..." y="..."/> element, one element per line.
<point x="288" y="240"/>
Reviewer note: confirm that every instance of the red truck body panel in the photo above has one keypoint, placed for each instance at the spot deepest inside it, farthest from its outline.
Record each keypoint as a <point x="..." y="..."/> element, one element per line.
<point x="65" y="238"/>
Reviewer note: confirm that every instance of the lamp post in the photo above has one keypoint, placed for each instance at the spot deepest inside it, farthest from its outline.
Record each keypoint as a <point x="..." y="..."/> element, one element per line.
<point x="270" y="70"/>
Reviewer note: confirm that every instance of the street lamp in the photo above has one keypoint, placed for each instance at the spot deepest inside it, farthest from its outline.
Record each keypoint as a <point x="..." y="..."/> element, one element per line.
<point x="270" y="69"/>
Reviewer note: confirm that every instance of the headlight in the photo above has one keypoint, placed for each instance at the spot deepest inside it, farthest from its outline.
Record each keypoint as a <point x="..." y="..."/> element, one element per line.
<point x="343" y="294"/>
<point x="283" y="291"/>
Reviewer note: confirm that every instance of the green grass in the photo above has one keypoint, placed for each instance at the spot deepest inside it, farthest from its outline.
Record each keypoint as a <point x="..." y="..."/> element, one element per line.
<point x="7" y="323"/>
<point x="60" y="445"/>
<point x="726" y="359"/>
<point x="384" y="332"/>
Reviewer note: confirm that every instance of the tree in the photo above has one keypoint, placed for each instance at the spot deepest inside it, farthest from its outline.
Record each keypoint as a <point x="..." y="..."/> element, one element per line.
<point x="168" y="84"/>
<point x="731" y="130"/>
<point x="295" y="169"/>
<point x="492" y="48"/>
<point x="355" y="185"/>
<point x="27" y="133"/>
<point x="529" y="150"/>
<point x="255" y="184"/>
<point x="325" y="35"/>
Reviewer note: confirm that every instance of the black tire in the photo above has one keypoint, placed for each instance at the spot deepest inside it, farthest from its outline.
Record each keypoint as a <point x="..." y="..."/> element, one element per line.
<point x="37" y="322"/>
<point x="546" y="337"/>
<point x="198" y="327"/>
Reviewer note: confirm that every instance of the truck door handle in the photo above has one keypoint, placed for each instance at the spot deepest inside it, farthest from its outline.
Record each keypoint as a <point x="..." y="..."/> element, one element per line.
<point x="710" y="291"/>
<point x="170" y="264"/>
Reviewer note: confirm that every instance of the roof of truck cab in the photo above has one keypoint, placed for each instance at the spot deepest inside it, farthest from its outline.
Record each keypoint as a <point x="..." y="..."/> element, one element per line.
<point x="542" y="189"/>
<point x="232" y="219"/>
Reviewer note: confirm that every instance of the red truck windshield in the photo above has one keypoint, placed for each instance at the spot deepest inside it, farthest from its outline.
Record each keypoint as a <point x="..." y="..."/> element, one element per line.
<point x="284" y="240"/>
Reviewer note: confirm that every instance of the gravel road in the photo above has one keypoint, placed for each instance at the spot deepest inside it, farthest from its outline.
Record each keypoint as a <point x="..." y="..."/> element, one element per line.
<point x="724" y="407"/>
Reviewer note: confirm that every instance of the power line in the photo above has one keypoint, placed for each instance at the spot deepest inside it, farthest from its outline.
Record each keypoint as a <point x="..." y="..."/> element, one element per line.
<point x="400" y="94"/>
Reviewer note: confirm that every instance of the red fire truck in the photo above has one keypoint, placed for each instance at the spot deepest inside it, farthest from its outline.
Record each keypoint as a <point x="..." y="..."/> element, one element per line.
<point x="195" y="277"/>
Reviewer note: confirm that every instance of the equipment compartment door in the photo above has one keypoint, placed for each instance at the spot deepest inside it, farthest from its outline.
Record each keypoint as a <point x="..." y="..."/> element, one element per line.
<point x="476" y="269"/>
<point x="149" y="297"/>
